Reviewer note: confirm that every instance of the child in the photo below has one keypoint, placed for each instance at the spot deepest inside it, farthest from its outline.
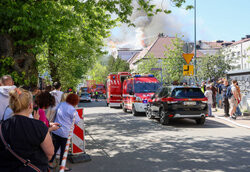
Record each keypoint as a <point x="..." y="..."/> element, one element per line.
<point x="209" y="94"/>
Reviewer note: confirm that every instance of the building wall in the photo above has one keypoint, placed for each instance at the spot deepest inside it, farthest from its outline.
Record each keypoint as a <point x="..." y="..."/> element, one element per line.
<point x="239" y="53"/>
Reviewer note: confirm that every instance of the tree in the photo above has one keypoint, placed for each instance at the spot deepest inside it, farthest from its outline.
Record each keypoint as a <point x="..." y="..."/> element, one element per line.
<point x="213" y="66"/>
<point x="98" y="72"/>
<point x="145" y="66"/>
<point x="49" y="33"/>
<point x="117" y="65"/>
<point x="173" y="61"/>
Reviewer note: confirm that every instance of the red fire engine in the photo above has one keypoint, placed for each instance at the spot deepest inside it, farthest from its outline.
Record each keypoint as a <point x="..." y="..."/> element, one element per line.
<point x="136" y="92"/>
<point x="114" y="88"/>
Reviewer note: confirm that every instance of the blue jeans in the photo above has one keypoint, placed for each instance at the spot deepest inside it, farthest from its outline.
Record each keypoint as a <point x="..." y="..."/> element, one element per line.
<point x="238" y="112"/>
<point x="209" y="109"/>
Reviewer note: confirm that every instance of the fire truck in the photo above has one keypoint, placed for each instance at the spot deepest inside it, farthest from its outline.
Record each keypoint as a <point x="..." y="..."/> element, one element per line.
<point x="114" y="85"/>
<point x="136" y="92"/>
<point x="100" y="88"/>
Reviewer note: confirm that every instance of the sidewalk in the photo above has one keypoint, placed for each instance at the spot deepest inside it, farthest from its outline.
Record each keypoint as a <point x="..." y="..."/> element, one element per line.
<point x="241" y="121"/>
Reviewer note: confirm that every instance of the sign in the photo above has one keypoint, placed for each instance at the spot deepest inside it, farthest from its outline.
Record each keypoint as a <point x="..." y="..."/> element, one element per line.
<point x="188" y="57"/>
<point x="156" y="69"/>
<point x="188" y="70"/>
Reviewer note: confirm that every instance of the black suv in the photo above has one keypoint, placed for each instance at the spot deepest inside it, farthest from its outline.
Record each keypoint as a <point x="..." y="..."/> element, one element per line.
<point x="178" y="102"/>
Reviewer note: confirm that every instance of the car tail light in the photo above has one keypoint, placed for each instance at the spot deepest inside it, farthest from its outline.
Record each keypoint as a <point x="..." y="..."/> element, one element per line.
<point x="171" y="100"/>
<point x="206" y="114"/>
<point x="171" y="115"/>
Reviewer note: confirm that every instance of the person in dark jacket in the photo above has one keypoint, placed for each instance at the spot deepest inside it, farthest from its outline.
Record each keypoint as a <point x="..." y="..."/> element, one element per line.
<point x="225" y="98"/>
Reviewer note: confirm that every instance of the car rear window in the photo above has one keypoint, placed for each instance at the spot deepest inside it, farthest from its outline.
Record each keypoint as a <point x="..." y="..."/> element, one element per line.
<point x="187" y="93"/>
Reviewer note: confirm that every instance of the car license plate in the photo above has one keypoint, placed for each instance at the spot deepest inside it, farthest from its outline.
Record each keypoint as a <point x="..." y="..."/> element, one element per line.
<point x="189" y="103"/>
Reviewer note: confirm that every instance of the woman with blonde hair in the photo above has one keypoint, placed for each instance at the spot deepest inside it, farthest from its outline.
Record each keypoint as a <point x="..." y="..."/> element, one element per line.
<point x="28" y="138"/>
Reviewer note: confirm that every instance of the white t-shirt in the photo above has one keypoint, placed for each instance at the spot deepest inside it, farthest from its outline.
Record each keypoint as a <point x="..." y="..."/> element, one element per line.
<point x="58" y="96"/>
<point x="209" y="95"/>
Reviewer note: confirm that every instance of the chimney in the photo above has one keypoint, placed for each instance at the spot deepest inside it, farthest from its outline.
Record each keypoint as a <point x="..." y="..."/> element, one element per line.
<point x="233" y="40"/>
<point x="247" y="36"/>
<point x="160" y="35"/>
<point x="219" y="41"/>
<point x="242" y="38"/>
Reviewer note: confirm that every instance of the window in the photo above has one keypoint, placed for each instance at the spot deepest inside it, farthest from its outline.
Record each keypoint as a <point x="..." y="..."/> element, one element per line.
<point x="164" y="92"/>
<point x="187" y="93"/>
<point x="146" y="87"/>
<point x="129" y="87"/>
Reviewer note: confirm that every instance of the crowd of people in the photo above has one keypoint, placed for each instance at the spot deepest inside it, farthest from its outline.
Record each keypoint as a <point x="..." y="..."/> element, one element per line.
<point x="34" y="125"/>
<point x="221" y="94"/>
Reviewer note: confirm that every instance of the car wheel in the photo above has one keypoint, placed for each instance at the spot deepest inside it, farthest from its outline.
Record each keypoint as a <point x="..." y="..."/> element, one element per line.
<point x="134" y="112"/>
<point x="149" y="113"/>
<point x="164" y="120"/>
<point x="200" y="121"/>
<point x="123" y="108"/>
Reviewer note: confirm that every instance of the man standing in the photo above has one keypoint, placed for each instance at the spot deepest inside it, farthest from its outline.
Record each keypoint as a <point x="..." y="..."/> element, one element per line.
<point x="225" y="98"/>
<point x="7" y="86"/>
<point x="233" y="98"/>
<point x="57" y="93"/>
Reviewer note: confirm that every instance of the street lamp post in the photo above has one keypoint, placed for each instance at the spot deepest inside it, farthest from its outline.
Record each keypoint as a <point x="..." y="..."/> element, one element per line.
<point x="195" y="66"/>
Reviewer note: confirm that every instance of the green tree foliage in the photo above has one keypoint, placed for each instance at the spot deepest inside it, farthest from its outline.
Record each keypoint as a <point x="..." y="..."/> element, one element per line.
<point x="213" y="66"/>
<point x="117" y="65"/>
<point x="173" y="61"/>
<point x="54" y="36"/>
<point x="98" y="72"/>
<point x="145" y="66"/>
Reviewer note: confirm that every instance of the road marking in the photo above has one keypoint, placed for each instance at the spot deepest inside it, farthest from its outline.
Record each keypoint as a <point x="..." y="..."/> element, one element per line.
<point x="233" y="122"/>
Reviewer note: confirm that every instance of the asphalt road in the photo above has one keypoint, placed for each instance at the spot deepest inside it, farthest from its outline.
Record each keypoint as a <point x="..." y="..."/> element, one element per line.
<point x="120" y="142"/>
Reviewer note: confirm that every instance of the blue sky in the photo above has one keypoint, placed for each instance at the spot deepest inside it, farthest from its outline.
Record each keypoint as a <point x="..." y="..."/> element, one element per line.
<point x="217" y="19"/>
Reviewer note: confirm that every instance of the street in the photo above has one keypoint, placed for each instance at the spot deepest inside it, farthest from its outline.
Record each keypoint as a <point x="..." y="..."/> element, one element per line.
<point x="118" y="141"/>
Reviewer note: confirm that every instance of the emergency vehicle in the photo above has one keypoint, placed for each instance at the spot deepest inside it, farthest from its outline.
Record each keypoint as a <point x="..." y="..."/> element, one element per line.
<point x="136" y="92"/>
<point x="100" y="88"/>
<point x="114" y="85"/>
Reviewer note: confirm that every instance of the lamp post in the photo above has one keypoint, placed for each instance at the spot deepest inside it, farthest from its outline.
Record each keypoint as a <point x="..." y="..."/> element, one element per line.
<point x="195" y="66"/>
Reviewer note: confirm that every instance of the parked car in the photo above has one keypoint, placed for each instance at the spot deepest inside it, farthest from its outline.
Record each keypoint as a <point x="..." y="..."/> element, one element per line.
<point x="85" y="97"/>
<point x="178" y="102"/>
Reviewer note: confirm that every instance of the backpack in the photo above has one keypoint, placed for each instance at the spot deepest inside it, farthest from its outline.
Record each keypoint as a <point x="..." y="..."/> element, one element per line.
<point x="229" y="92"/>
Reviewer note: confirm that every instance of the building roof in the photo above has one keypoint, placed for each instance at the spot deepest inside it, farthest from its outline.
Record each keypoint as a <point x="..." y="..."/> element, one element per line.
<point x="240" y="41"/>
<point x="157" y="48"/>
<point x="198" y="53"/>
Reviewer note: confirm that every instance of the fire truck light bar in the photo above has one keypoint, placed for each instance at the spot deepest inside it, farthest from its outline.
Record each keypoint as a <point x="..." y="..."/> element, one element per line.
<point x="137" y="76"/>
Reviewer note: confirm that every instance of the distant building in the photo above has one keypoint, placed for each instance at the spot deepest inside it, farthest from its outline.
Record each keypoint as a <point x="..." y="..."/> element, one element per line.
<point x="127" y="53"/>
<point x="157" y="48"/>
<point x="238" y="51"/>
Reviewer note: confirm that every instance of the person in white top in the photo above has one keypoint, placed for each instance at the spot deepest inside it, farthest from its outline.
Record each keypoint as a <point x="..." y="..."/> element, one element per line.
<point x="57" y="93"/>
<point x="209" y="94"/>
<point x="7" y="85"/>
<point x="234" y="99"/>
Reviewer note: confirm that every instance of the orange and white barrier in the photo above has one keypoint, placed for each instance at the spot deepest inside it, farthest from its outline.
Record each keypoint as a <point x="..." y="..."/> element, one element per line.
<point x="63" y="164"/>
<point x="78" y="139"/>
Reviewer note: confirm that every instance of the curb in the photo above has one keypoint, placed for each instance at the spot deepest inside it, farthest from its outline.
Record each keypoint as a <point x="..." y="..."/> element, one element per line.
<point x="233" y="122"/>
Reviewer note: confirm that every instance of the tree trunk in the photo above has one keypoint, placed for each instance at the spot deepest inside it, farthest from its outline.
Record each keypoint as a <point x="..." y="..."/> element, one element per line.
<point x="25" y="63"/>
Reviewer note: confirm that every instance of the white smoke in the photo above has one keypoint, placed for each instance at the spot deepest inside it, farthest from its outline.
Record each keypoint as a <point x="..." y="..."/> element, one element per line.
<point x="147" y="28"/>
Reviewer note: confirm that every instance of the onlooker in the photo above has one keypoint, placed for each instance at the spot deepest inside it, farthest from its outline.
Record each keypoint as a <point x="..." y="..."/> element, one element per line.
<point x="225" y="98"/>
<point x="57" y="93"/>
<point x="28" y="138"/>
<point x="233" y="96"/>
<point x="48" y="88"/>
<point x="214" y="91"/>
<point x="238" y="112"/>
<point x="44" y="100"/>
<point x="7" y="85"/>
<point x="219" y="93"/>
<point x="65" y="113"/>
<point x="209" y="94"/>
<point x="203" y="86"/>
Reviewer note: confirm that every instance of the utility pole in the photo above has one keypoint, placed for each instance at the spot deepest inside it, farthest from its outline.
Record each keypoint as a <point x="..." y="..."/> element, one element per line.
<point x="195" y="66"/>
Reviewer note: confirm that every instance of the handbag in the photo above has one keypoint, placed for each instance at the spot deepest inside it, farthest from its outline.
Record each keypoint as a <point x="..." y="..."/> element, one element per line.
<point x="25" y="162"/>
